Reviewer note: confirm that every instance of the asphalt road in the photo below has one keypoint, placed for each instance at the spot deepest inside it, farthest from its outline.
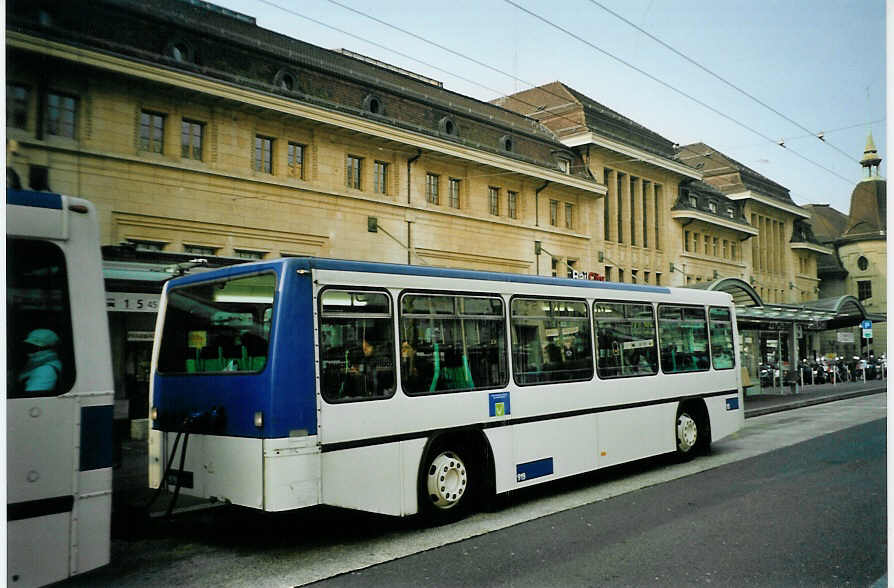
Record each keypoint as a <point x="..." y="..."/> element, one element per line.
<point x="813" y="514"/>
<point x="240" y="547"/>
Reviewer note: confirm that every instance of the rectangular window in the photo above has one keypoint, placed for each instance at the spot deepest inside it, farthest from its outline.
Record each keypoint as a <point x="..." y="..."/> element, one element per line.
<point x="356" y="346"/>
<point x="633" y="183"/>
<point x="645" y="277"/>
<point x="493" y="197"/>
<point x="38" y="315"/>
<point x="199" y="249"/>
<point x="625" y="339"/>
<point x="454" y="188"/>
<point x="555" y="267"/>
<point x="730" y="212"/>
<point x="732" y="251"/>
<point x="722" y="351"/>
<point x="646" y="187"/>
<point x="249" y="254"/>
<point x="263" y="154"/>
<point x="725" y="249"/>
<point x="565" y="166"/>
<point x="707" y="245"/>
<point x="569" y="215"/>
<point x="683" y="333"/>
<point x="864" y="289"/>
<point x="713" y="246"/>
<point x="606" y="233"/>
<point x="686" y="240"/>
<point x="554" y="212"/>
<point x="296" y="160"/>
<point x="152" y="132"/>
<point x="657" y="278"/>
<point x="634" y="276"/>
<point x="712" y="206"/>
<point x="431" y="188"/>
<point x="452" y="343"/>
<point x="61" y="115"/>
<point x="16" y="106"/>
<point x="657" y="216"/>
<point x="620" y="275"/>
<point x="550" y="341"/>
<point x="512" y="204"/>
<point x="608" y="273"/>
<point x="620" y="208"/>
<point x="215" y="327"/>
<point x="380" y="177"/>
<point x="353" y="169"/>
<point x="191" y="135"/>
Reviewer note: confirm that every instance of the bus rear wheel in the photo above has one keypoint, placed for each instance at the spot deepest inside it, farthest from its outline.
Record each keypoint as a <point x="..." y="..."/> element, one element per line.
<point x="691" y="431"/>
<point x="446" y="483"/>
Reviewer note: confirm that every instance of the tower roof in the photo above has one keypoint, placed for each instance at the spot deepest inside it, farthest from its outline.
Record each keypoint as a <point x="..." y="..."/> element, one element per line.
<point x="870" y="153"/>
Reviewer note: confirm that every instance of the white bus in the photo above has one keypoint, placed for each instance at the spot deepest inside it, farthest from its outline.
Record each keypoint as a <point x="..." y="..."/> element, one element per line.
<point x="404" y="389"/>
<point x="59" y="391"/>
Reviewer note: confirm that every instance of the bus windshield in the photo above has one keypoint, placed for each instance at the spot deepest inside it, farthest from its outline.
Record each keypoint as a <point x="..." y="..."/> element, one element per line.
<point x="220" y="326"/>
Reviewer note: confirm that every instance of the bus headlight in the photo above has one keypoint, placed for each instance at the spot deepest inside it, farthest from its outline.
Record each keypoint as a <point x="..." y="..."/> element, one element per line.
<point x="154" y="413"/>
<point x="259" y="419"/>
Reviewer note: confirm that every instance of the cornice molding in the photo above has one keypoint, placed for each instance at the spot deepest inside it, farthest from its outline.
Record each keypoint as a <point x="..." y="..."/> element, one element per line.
<point x="591" y="138"/>
<point x="772" y="202"/>
<point x="812" y="247"/>
<point x="714" y="220"/>
<point x="204" y="85"/>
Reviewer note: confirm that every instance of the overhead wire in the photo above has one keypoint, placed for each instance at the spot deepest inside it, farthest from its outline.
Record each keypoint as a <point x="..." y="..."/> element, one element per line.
<point x="672" y="88"/>
<point x="527" y="83"/>
<point x="667" y="46"/>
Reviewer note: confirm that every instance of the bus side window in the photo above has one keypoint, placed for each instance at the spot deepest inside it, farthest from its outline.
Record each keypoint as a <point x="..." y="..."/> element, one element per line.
<point x="550" y="341"/>
<point x="356" y="346"/>
<point x="40" y="358"/>
<point x="625" y="339"/>
<point x="683" y="333"/>
<point x="452" y="343"/>
<point x="722" y="351"/>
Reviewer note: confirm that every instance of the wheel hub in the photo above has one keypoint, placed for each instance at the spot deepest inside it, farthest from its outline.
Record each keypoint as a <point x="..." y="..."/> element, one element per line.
<point x="446" y="480"/>
<point x="687" y="432"/>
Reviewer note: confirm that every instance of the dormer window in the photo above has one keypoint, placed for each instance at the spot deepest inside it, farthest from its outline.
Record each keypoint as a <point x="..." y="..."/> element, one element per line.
<point x="181" y="52"/>
<point x="506" y="143"/>
<point x="693" y="201"/>
<point x="286" y="80"/>
<point x="564" y="166"/>
<point x="712" y="206"/>
<point x="374" y="105"/>
<point x="731" y="211"/>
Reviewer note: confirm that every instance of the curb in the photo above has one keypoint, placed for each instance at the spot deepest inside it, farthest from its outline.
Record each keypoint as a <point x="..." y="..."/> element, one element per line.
<point x="754" y="412"/>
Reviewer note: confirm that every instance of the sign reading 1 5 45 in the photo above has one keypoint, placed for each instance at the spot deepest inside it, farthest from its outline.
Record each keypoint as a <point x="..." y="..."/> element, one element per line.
<point x="131" y="302"/>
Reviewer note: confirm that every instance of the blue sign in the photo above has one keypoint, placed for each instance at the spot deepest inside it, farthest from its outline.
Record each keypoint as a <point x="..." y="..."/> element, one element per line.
<point x="499" y="404"/>
<point x="866" y="324"/>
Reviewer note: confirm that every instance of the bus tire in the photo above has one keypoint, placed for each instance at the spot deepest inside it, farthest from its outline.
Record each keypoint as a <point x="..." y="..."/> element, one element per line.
<point x="692" y="430"/>
<point x="449" y="480"/>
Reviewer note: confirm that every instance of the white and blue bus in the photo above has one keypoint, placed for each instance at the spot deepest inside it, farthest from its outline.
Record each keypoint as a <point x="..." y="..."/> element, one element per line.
<point x="59" y="391"/>
<point x="403" y="389"/>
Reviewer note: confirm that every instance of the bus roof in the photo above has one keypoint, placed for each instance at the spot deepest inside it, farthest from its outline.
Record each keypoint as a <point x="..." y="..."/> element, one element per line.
<point x="311" y="263"/>
<point x="35" y="199"/>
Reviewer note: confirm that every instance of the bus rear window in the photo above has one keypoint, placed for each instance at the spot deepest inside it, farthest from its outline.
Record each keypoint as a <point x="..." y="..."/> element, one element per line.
<point x="221" y="326"/>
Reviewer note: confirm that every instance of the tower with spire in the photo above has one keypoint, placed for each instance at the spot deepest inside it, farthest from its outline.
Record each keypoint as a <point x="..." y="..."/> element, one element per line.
<point x="870" y="157"/>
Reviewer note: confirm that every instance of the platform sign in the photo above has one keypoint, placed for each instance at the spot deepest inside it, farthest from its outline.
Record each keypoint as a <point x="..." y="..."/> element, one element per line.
<point x="866" y="324"/>
<point x="867" y="333"/>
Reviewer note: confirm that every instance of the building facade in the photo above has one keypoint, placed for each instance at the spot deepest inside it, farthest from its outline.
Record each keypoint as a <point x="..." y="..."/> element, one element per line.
<point x="205" y="140"/>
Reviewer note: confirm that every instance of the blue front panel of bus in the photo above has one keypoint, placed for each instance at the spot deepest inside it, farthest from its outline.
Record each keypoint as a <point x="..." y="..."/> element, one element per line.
<point x="284" y="392"/>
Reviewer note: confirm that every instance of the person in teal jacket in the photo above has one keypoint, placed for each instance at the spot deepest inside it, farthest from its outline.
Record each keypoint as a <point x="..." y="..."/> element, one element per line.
<point x="43" y="368"/>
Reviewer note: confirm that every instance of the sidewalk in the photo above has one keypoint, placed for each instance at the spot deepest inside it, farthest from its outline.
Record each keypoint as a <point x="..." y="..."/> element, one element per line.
<point x="131" y="478"/>
<point x="809" y="395"/>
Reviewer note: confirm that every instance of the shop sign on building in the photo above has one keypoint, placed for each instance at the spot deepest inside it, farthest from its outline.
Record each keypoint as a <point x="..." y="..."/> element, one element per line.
<point x="588" y="276"/>
<point x="845" y="337"/>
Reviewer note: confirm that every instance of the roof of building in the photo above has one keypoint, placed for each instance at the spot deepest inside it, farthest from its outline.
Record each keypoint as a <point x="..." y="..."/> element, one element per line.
<point x="567" y="112"/>
<point x="867" y="219"/>
<point x="204" y="40"/>
<point x="727" y="174"/>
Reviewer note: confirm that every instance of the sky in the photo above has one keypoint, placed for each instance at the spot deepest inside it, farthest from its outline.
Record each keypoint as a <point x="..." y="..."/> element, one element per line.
<point x="809" y="66"/>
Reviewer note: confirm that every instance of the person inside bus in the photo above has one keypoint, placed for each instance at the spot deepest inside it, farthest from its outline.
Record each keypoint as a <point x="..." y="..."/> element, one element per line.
<point x="372" y="375"/>
<point x="43" y="368"/>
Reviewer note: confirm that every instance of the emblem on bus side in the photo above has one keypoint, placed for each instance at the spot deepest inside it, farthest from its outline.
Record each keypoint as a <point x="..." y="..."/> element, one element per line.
<point x="499" y="403"/>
